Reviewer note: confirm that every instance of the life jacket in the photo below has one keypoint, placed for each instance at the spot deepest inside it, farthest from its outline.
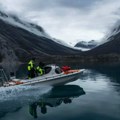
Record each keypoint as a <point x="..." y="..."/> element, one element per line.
<point x="30" y="65"/>
<point x="39" y="70"/>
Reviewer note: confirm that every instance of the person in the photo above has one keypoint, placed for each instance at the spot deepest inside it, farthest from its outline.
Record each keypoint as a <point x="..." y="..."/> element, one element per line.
<point x="67" y="100"/>
<point x="31" y="68"/>
<point x="43" y="107"/>
<point x="33" y="110"/>
<point x="39" y="69"/>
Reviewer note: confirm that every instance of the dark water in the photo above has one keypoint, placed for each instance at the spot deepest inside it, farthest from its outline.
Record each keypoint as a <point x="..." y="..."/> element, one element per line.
<point x="94" y="96"/>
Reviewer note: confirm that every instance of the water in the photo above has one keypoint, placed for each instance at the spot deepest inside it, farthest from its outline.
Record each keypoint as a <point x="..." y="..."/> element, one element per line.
<point x="94" y="96"/>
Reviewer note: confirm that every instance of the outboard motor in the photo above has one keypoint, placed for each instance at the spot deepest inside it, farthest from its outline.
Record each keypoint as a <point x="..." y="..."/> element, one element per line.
<point x="12" y="75"/>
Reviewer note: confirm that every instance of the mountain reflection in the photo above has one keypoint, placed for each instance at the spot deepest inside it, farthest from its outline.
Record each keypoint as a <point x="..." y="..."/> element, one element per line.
<point x="58" y="95"/>
<point x="113" y="72"/>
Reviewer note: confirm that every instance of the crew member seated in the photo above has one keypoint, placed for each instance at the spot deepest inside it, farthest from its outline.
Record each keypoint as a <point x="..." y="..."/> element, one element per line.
<point x="40" y="69"/>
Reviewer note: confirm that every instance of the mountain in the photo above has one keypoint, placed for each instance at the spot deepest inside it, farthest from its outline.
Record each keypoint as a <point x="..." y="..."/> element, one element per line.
<point x="87" y="45"/>
<point x="111" y="44"/>
<point x="21" y="40"/>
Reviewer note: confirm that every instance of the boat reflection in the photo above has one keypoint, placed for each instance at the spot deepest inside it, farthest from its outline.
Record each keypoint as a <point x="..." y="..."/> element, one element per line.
<point x="58" y="95"/>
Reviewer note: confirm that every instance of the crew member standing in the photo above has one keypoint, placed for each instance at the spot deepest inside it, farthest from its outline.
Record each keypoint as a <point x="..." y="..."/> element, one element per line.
<point x="31" y="68"/>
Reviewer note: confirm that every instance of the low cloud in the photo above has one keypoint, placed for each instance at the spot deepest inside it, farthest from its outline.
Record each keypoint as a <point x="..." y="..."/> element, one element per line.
<point x="67" y="19"/>
<point x="1" y="6"/>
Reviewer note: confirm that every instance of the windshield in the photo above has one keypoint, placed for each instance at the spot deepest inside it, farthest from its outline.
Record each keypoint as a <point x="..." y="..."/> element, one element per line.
<point x="58" y="70"/>
<point x="47" y="69"/>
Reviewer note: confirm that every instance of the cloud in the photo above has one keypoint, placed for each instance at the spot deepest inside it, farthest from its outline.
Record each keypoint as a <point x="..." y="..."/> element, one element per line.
<point x="69" y="20"/>
<point x="41" y="4"/>
<point x="1" y="6"/>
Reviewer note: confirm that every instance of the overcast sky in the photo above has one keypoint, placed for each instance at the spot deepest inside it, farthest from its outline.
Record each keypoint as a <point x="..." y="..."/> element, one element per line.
<point x="69" y="20"/>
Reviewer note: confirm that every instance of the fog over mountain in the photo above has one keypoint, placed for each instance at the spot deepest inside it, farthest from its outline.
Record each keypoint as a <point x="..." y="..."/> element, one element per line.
<point x="111" y="44"/>
<point x="88" y="45"/>
<point x="20" y="40"/>
<point x="68" y="20"/>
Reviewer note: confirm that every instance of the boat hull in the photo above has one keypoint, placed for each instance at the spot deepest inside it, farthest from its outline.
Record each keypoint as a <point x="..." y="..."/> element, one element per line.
<point x="56" y="80"/>
<point x="52" y="80"/>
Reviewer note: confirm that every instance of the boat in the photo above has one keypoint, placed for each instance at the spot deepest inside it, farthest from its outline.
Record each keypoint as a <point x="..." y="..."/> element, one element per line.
<point x="53" y="76"/>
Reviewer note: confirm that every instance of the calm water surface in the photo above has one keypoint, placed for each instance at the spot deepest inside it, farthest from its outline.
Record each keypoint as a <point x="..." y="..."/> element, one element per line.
<point x="94" y="96"/>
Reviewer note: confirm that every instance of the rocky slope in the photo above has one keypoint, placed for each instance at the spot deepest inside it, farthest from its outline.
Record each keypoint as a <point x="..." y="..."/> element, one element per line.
<point x="111" y="43"/>
<point x="21" y="40"/>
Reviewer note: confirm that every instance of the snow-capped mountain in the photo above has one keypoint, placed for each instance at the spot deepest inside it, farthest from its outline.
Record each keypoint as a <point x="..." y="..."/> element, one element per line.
<point x="15" y="21"/>
<point x="31" y="27"/>
<point x="87" y="45"/>
<point x="114" y="31"/>
<point x="20" y="40"/>
<point x="111" y="44"/>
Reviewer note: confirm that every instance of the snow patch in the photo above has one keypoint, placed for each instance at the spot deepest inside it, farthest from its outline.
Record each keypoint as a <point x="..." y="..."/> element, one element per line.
<point x="82" y="49"/>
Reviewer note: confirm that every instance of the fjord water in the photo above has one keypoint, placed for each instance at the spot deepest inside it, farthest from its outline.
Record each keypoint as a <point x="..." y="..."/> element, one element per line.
<point x="94" y="96"/>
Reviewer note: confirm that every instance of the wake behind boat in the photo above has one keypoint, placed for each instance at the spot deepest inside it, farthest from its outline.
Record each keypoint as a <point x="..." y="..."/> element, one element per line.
<point x="53" y="76"/>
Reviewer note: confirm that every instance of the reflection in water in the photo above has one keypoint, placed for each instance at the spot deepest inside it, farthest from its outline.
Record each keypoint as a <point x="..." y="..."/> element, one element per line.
<point x="101" y="102"/>
<point x="57" y="96"/>
<point x="14" y="98"/>
<point x="102" y="82"/>
<point x="113" y="72"/>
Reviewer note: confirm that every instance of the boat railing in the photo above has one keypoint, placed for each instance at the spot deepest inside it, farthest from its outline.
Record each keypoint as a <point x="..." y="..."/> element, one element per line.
<point x="3" y="77"/>
<point x="53" y="77"/>
<point x="61" y="75"/>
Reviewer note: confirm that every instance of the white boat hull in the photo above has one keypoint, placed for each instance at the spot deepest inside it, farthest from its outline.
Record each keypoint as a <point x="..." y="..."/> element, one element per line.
<point x="52" y="78"/>
<point x="53" y="81"/>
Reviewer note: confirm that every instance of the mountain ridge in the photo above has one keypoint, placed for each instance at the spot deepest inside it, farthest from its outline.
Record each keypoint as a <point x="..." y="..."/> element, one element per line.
<point x="87" y="45"/>
<point x="111" y="44"/>
<point x="18" y="43"/>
